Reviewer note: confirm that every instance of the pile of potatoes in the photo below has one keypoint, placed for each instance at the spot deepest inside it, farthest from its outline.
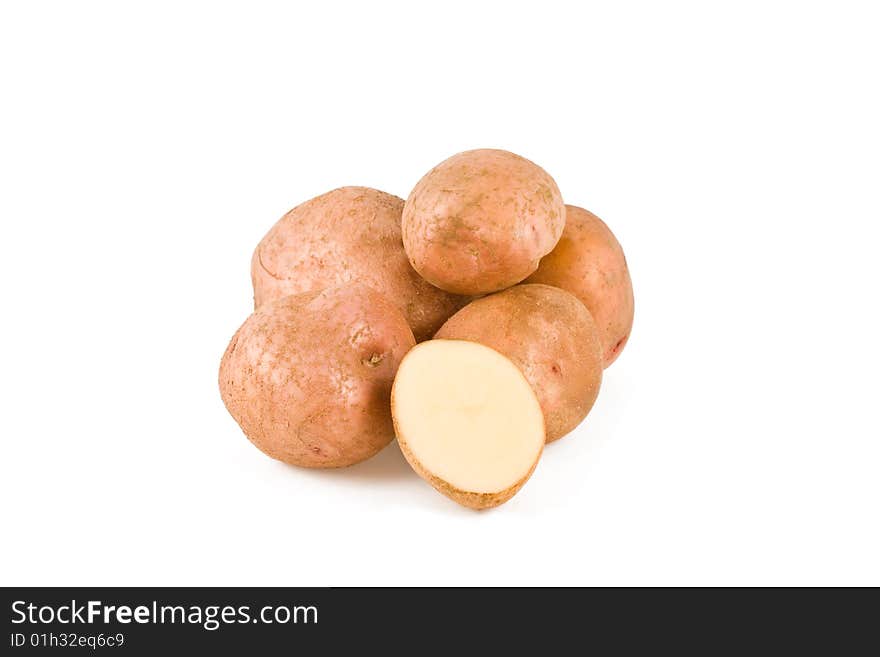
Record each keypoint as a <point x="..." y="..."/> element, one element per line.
<point x="473" y="320"/>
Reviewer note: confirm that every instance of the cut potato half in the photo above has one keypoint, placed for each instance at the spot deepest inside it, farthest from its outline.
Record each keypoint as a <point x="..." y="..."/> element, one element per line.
<point x="467" y="421"/>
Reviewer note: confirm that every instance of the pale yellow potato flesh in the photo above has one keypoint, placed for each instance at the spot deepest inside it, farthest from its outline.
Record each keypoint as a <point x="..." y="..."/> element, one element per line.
<point x="467" y="420"/>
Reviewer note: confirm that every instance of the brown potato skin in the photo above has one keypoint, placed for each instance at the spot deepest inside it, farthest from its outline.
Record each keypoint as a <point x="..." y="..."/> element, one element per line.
<point x="589" y="263"/>
<point x="351" y="234"/>
<point x="308" y="377"/>
<point x="550" y="336"/>
<point x="481" y="221"/>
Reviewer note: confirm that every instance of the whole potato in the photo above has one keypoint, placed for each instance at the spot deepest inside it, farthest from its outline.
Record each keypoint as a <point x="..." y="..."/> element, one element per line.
<point x="550" y="336"/>
<point x="480" y="221"/>
<point x="351" y="234"/>
<point x="308" y="377"/>
<point x="589" y="263"/>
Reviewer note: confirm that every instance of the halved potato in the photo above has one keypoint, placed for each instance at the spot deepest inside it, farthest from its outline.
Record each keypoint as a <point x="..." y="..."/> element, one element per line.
<point x="467" y="421"/>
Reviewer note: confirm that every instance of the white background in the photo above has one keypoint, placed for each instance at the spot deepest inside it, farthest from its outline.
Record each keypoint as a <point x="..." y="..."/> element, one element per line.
<point x="145" y="148"/>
